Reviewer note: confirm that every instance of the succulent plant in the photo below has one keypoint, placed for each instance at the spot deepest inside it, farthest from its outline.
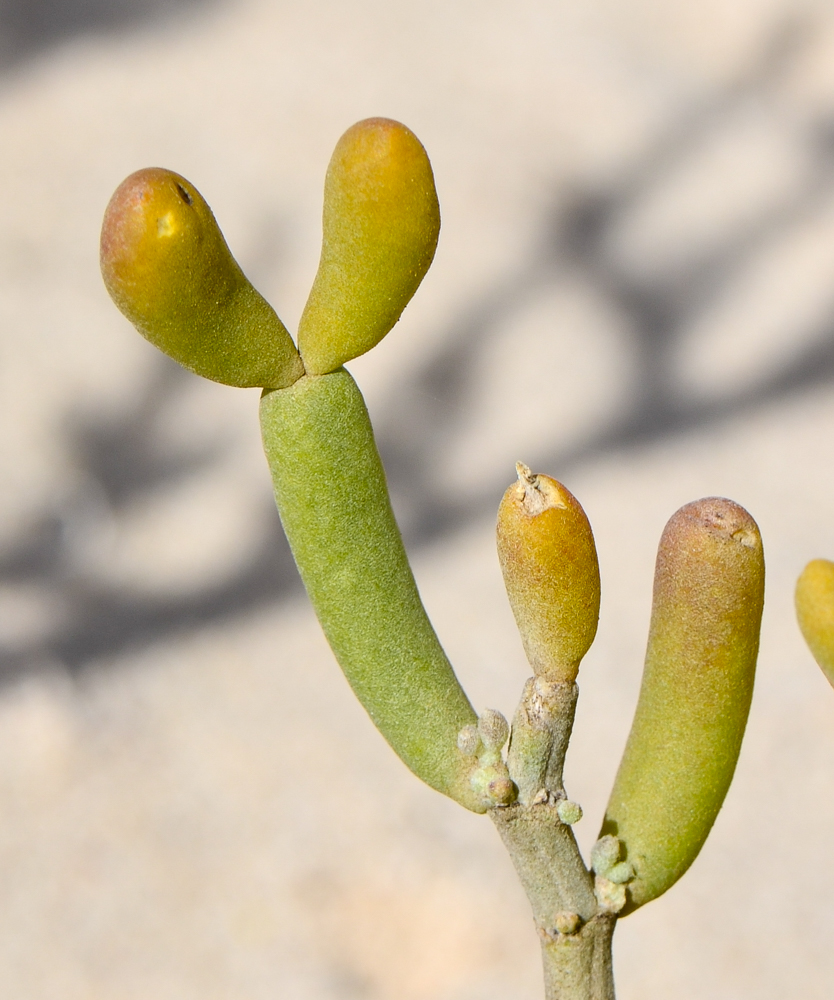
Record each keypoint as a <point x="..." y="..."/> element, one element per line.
<point x="168" y="268"/>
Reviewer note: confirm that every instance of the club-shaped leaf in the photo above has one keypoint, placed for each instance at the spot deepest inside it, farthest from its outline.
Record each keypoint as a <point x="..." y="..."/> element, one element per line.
<point x="549" y="561"/>
<point x="695" y="696"/>
<point x="169" y="270"/>
<point x="380" y="227"/>
<point x="333" y="500"/>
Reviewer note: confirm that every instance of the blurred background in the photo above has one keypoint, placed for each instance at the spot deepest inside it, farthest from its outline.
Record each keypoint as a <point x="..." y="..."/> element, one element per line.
<point x="634" y="292"/>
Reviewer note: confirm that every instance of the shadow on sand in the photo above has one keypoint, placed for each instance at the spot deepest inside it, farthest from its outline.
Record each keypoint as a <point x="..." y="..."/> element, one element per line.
<point x="29" y="27"/>
<point x="123" y="460"/>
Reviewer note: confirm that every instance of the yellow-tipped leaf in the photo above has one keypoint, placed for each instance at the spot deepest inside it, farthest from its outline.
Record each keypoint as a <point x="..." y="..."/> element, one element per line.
<point x="549" y="561"/>
<point x="169" y="270"/>
<point x="380" y="227"/>
<point x="695" y="695"/>
<point x="815" y="612"/>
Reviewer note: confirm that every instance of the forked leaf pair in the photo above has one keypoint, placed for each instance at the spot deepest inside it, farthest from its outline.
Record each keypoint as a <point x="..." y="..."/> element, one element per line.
<point x="168" y="268"/>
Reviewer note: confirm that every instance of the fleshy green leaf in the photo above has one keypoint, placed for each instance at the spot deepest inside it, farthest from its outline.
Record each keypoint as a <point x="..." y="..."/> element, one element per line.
<point x="695" y="696"/>
<point x="333" y="500"/>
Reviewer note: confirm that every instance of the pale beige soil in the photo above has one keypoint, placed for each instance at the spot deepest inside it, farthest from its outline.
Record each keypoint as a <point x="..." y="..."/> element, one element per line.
<point x="195" y="807"/>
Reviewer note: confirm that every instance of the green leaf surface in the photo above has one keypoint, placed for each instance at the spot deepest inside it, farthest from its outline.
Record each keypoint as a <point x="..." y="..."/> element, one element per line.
<point x="333" y="500"/>
<point x="695" y="695"/>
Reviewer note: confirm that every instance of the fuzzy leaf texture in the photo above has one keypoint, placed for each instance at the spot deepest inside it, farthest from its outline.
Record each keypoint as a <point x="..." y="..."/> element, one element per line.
<point x="695" y="695"/>
<point x="333" y="500"/>
<point x="815" y="612"/>
<point x="381" y="222"/>
<point x="549" y="562"/>
<point x="168" y="269"/>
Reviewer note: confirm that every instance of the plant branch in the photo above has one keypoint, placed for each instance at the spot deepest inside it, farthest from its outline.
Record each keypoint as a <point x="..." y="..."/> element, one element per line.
<point x="575" y="931"/>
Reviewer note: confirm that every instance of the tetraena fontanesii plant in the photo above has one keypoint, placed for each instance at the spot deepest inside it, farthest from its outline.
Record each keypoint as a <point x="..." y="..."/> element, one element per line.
<point x="169" y="270"/>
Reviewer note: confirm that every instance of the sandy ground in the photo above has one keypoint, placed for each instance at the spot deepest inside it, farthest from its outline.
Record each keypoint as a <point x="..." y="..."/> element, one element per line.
<point x="633" y="292"/>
